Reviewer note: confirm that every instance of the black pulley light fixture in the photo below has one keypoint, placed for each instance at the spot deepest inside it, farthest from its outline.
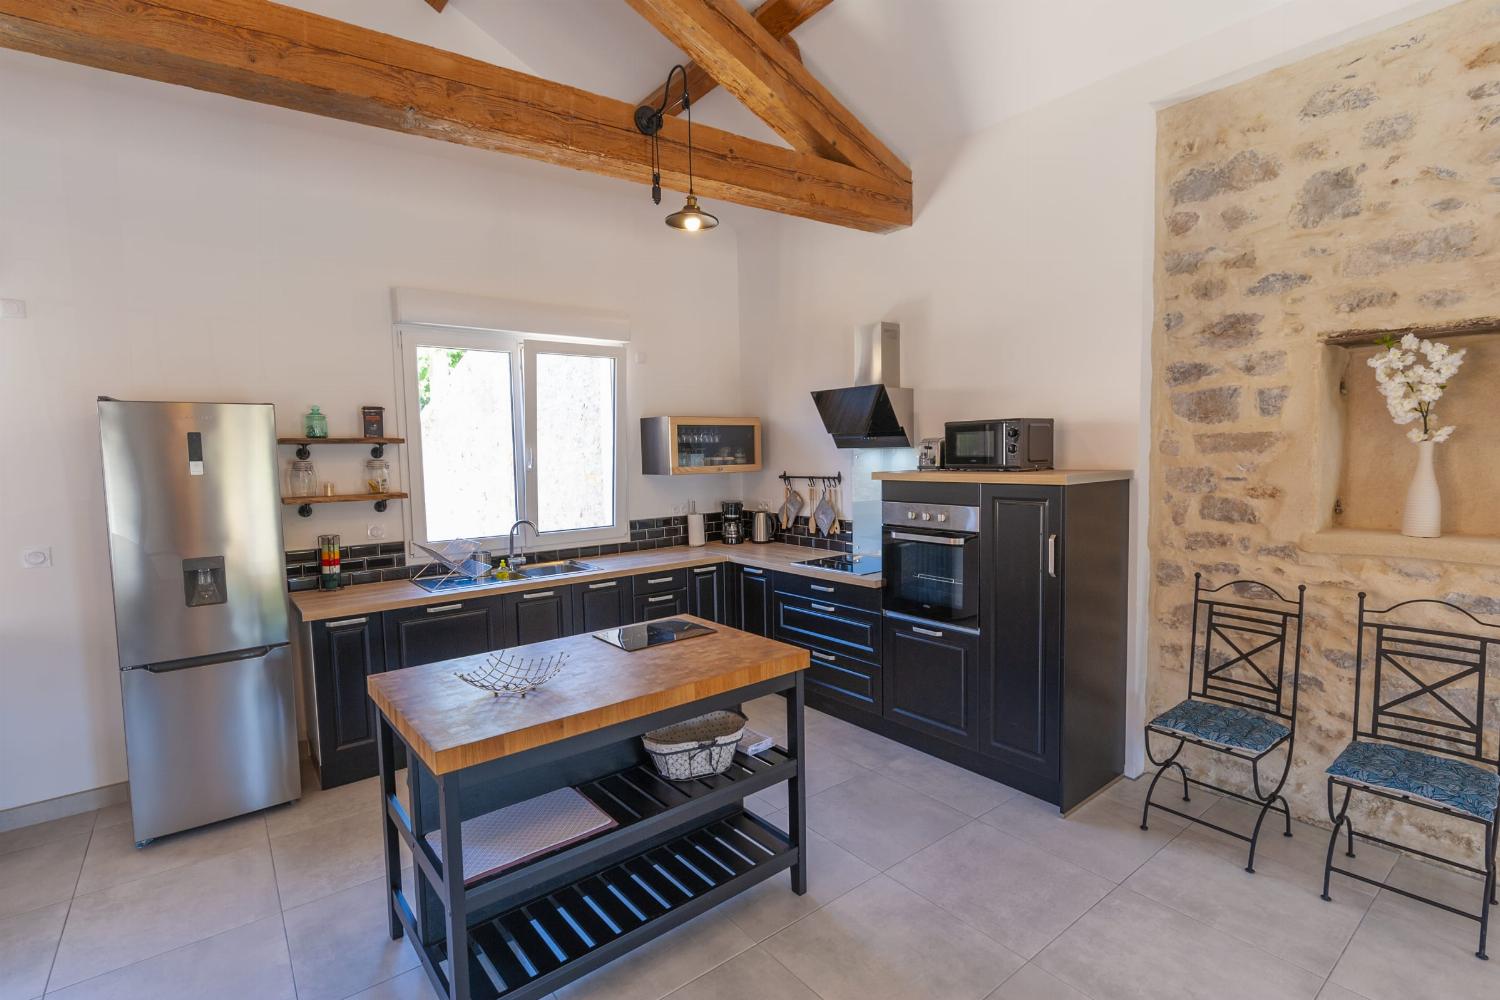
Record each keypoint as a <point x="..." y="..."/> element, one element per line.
<point x="690" y="218"/>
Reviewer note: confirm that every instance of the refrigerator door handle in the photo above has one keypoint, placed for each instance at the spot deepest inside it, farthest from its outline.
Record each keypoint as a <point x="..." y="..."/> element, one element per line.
<point x="167" y="666"/>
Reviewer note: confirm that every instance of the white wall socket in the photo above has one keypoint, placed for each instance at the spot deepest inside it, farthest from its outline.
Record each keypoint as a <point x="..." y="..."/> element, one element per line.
<point x="374" y="531"/>
<point x="38" y="558"/>
<point x="12" y="309"/>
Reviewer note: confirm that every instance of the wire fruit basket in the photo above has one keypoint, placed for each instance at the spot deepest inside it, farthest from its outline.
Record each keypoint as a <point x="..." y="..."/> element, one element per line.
<point x="506" y="673"/>
<point x="697" y="747"/>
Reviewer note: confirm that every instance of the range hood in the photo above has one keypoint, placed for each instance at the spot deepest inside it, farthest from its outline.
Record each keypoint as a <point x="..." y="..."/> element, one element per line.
<point x="875" y="412"/>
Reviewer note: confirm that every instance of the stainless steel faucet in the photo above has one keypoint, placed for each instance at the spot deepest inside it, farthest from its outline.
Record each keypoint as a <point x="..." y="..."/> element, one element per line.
<point x="510" y="554"/>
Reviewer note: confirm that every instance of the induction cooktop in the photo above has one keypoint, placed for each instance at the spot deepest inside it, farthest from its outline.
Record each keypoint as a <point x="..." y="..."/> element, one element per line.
<point x="633" y="637"/>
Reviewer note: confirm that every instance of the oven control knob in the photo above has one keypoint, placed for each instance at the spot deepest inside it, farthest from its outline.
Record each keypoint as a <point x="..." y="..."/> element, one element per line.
<point x="942" y="517"/>
<point x="1012" y="432"/>
<point x="1011" y="448"/>
<point x="926" y="516"/>
<point x="911" y="515"/>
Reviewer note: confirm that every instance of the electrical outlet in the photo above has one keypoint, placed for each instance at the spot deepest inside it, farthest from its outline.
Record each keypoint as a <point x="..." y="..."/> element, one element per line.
<point x="38" y="558"/>
<point x="375" y="531"/>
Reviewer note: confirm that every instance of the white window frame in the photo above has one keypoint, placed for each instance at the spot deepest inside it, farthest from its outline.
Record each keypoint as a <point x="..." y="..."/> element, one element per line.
<point x="523" y="348"/>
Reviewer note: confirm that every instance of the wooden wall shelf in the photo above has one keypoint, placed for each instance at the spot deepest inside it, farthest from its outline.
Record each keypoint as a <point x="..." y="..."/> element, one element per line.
<point x="304" y="504"/>
<point x="377" y="445"/>
<point x="1467" y="328"/>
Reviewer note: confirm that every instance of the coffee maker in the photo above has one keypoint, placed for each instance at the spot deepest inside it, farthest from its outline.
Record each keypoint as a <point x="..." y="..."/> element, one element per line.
<point x="734" y="527"/>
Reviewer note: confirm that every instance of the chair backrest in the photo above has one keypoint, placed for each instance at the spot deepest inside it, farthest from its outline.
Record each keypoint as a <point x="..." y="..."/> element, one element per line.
<point x="1426" y="684"/>
<point x="1247" y="647"/>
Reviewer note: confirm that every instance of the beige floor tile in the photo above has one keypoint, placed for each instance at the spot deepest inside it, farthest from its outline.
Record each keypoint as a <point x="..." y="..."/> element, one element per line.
<point x="413" y="985"/>
<point x="971" y="794"/>
<point x="113" y="857"/>
<point x="40" y="875"/>
<point x="340" y="943"/>
<point x="667" y="963"/>
<point x="1332" y="991"/>
<point x="1404" y="950"/>
<point x="1104" y="836"/>
<point x="1033" y="983"/>
<point x="1305" y="850"/>
<point x="112" y="815"/>
<point x="246" y="962"/>
<point x="880" y="820"/>
<point x="768" y="907"/>
<point x="27" y="943"/>
<point x="753" y="975"/>
<point x="1014" y="892"/>
<point x="824" y="770"/>
<point x="136" y="920"/>
<point x="1132" y="793"/>
<point x="44" y="833"/>
<point x="859" y="745"/>
<point x="1132" y="947"/>
<point x="1464" y="892"/>
<point x="884" y="942"/>
<point x="319" y="860"/>
<point x="315" y="807"/>
<point x="1278" y="909"/>
<point x="768" y="715"/>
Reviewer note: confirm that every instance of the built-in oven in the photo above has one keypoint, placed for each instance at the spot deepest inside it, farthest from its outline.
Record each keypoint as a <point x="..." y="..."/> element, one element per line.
<point x="930" y="560"/>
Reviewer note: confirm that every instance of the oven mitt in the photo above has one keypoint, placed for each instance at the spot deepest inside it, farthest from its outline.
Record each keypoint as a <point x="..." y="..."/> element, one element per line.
<point x="825" y="514"/>
<point x="792" y="509"/>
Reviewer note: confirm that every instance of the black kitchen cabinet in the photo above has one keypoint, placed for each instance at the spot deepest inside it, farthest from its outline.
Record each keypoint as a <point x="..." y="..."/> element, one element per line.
<point x="537" y="615"/>
<point x="843" y="642"/>
<point x="602" y="604"/>
<point x="345" y="653"/>
<point x="931" y="676"/>
<point x="649" y="607"/>
<point x="427" y="634"/>
<point x="749" y="599"/>
<point x="707" y="593"/>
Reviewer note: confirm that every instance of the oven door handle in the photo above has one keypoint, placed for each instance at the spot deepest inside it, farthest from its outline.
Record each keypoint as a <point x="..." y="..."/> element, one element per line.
<point x="904" y="536"/>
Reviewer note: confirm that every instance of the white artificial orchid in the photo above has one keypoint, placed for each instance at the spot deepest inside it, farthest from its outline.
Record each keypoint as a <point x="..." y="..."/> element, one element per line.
<point x="1412" y="374"/>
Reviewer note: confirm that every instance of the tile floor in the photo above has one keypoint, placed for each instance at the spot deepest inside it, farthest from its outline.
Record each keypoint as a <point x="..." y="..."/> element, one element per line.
<point x="926" y="882"/>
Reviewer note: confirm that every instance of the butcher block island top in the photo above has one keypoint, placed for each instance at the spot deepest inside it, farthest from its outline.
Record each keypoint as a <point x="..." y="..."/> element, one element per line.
<point x="1035" y="477"/>
<point x="451" y="725"/>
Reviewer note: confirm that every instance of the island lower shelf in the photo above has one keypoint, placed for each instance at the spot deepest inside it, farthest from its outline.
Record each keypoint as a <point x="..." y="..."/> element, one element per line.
<point x="549" y="941"/>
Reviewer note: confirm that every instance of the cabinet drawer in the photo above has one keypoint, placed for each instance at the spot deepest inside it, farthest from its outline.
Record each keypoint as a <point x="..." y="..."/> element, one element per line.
<point x="650" y="607"/>
<point x="830" y="627"/>
<point x="657" y="583"/>
<point x="844" y="678"/>
<point x="830" y="591"/>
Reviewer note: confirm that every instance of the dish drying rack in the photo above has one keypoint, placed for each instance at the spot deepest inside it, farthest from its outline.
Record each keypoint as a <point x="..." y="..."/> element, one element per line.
<point x="453" y="562"/>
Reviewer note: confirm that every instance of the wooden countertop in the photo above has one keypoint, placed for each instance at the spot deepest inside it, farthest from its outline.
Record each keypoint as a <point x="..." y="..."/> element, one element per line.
<point x="370" y="598"/>
<point x="450" y="725"/>
<point x="1041" y="477"/>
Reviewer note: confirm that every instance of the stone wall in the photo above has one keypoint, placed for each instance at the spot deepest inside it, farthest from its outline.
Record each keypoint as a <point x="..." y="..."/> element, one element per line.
<point x="1357" y="189"/>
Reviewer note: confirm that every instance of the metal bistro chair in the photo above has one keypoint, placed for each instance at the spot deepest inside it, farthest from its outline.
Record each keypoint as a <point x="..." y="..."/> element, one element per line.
<point x="1424" y="744"/>
<point x="1242" y="698"/>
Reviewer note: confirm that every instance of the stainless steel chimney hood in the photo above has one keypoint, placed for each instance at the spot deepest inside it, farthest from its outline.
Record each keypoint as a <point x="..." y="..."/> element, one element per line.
<point x="875" y="412"/>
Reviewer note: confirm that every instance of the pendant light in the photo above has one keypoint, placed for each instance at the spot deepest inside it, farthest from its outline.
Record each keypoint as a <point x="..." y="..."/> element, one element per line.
<point x="690" y="218"/>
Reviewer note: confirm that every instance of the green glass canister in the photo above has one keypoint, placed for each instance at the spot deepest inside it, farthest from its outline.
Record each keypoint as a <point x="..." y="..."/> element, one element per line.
<point x="315" y="423"/>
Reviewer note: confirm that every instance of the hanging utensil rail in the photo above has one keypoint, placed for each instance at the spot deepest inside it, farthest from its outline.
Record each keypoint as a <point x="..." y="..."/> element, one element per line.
<point x="834" y="479"/>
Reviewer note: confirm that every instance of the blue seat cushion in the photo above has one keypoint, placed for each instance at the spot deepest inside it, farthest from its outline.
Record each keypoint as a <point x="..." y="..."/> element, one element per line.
<point x="1222" y="725"/>
<point x="1431" y="777"/>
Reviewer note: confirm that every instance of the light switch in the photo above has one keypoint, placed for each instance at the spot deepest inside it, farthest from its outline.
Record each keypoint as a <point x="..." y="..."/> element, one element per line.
<point x="12" y="309"/>
<point x="36" y="558"/>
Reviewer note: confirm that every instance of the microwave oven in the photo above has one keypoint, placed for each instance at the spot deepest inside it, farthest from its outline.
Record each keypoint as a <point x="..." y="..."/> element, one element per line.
<point x="1014" y="443"/>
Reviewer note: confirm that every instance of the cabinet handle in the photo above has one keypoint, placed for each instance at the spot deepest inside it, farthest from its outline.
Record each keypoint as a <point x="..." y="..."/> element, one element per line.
<point x="752" y="570"/>
<point x="659" y="579"/>
<point x="538" y="595"/>
<point x="927" y="631"/>
<point x="707" y="569"/>
<point x="1052" y="556"/>
<point x="444" y="607"/>
<point x="822" y="656"/>
<point x="822" y="589"/>
<point x="348" y="621"/>
<point x="603" y="586"/>
<point x="663" y="597"/>
<point x="827" y="609"/>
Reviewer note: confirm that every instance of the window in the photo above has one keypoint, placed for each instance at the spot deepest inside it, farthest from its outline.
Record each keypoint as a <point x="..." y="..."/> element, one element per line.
<point x="501" y="427"/>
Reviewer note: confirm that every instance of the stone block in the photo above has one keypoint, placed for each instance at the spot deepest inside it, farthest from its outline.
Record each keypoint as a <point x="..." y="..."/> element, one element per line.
<point x="1227" y="509"/>
<point x="1433" y="246"/>
<point x="1219" y="405"/>
<point x="1230" y="442"/>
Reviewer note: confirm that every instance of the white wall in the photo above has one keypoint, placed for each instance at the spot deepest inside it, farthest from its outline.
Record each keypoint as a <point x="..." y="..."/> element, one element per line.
<point x="171" y="244"/>
<point x="1023" y="288"/>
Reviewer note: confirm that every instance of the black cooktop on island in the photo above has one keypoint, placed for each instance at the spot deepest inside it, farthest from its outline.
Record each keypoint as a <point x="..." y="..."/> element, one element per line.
<point x="633" y="637"/>
<point x="856" y="565"/>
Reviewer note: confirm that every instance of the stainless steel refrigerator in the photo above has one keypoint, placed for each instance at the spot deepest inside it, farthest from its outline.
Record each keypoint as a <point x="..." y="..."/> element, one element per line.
<point x="193" y="499"/>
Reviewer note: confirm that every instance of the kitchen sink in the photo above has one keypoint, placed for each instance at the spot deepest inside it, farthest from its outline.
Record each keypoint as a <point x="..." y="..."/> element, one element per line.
<point x="560" y="568"/>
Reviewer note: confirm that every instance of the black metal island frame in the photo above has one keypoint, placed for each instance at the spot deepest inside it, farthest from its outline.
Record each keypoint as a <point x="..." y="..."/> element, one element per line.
<point x="677" y="849"/>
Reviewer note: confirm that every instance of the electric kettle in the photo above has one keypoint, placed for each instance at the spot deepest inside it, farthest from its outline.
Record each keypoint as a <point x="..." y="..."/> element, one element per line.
<point x="762" y="526"/>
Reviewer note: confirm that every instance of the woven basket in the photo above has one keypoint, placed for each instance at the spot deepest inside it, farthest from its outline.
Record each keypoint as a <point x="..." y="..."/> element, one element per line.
<point x="697" y="747"/>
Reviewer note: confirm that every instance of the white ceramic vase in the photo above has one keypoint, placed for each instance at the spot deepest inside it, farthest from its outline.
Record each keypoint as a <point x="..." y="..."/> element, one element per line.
<point x="1422" y="517"/>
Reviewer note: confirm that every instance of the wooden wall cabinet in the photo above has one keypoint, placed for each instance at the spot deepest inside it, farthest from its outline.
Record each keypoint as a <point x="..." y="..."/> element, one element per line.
<point x="679" y="446"/>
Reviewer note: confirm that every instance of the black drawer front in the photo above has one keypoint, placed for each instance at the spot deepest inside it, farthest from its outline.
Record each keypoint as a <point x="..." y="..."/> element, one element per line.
<point x="659" y="583"/>
<point x="830" y="591"/>
<point x="829" y="627"/>
<point x="650" y="607"/>
<point x="843" y="678"/>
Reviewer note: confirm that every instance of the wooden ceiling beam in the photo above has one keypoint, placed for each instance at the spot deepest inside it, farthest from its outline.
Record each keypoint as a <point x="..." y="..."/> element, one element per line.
<point x="437" y="5"/>
<point x="736" y="50"/>
<point x="264" y="52"/>
<point x="779" y="17"/>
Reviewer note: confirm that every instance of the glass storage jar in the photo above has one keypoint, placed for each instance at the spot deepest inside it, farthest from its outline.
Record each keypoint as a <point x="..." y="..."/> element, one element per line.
<point x="303" y="481"/>
<point x="377" y="476"/>
<point x="315" y="423"/>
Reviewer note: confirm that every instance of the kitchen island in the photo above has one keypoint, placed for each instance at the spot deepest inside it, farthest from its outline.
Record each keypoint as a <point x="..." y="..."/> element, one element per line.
<point x="676" y="849"/>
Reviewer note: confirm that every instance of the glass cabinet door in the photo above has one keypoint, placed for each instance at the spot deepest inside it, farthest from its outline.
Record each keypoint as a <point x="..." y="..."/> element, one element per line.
<point x="728" y="447"/>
